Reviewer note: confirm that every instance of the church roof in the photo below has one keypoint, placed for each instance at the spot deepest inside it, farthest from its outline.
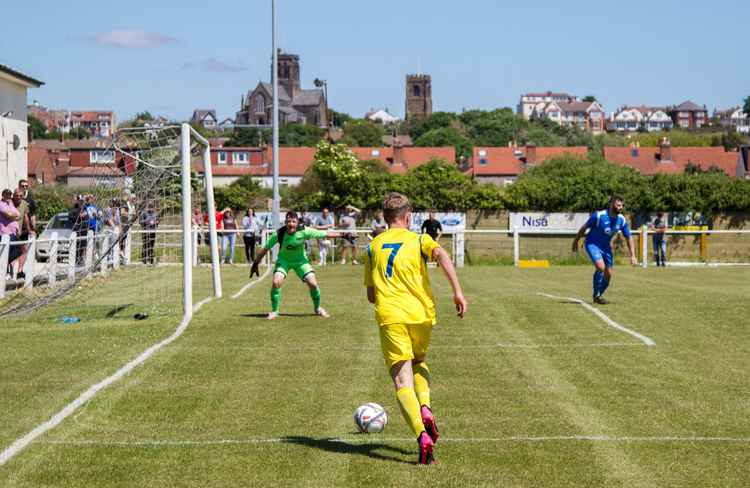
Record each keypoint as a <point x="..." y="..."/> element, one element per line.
<point x="283" y="95"/>
<point x="308" y="97"/>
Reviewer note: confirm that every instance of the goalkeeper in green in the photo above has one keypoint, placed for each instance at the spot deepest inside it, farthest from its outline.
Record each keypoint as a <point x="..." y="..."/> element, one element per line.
<point x="291" y="239"/>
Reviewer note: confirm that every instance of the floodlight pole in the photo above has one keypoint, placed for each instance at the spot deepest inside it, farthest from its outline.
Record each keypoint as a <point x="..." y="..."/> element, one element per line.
<point x="276" y="199"/>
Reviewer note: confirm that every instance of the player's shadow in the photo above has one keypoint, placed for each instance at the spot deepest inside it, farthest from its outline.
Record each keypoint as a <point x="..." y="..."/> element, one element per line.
<point x="339" y="446"/>
<point x="264" y="315"/>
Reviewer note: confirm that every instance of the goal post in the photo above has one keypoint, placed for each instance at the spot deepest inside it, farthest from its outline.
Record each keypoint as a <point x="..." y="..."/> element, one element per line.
<point x="187" y="135"/>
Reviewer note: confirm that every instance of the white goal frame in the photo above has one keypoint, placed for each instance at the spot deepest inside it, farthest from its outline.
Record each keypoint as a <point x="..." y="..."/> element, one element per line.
<point x="187" y="135"/>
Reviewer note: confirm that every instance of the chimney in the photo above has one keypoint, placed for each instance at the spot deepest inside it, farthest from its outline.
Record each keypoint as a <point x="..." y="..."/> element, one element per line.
<point x="666" y="150"/>
<point x="530" y="153"/>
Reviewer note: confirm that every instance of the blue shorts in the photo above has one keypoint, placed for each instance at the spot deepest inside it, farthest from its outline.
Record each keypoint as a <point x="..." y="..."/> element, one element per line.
<point x="598" y="254"/>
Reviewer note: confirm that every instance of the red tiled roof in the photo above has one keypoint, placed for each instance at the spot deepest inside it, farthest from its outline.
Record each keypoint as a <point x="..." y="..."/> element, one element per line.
<point x="366" y="153"/>
<point x="407" y="158"/>
<point x="89" y="115"/>
<point x="646" y="160"/>
<point x="503" y="161"/>
<point x="293" y="161"/>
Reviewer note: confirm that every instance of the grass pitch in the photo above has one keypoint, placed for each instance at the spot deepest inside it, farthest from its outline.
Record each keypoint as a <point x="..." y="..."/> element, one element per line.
<point x="528" y="390"/>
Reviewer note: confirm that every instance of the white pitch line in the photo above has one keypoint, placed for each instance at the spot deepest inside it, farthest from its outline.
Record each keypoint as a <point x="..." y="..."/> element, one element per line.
<point x="646" y="340"/>
<point x="57" y="418"/>
<point x="377" y="439"/>
<point x="251" y="284"/>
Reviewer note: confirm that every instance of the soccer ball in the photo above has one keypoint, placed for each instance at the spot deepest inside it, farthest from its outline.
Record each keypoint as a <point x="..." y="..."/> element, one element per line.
<point x="370" y="418"/>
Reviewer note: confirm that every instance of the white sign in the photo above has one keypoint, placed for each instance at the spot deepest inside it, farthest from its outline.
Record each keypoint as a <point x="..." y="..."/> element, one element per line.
<point x="540" y="221"/>
<point x="452" y="222"/>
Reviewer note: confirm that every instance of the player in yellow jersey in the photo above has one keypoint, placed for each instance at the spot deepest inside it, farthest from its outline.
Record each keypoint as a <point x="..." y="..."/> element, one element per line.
<point x="398" y="284"/>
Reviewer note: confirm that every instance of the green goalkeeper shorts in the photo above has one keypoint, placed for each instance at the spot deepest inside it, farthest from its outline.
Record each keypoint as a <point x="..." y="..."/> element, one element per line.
<point x="301" y="269"/>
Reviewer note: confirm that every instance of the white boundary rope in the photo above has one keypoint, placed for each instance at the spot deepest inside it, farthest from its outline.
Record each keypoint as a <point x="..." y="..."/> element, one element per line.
<point x="646" y="340"/>
<point x="57" y="418"/>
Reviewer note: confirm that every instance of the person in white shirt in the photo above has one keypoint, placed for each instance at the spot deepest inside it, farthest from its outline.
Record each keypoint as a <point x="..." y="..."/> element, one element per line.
<point x="252" y="234"/>
<point x="324" y="222"/>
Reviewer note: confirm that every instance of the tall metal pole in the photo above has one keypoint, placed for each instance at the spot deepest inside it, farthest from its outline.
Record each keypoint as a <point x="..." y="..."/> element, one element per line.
<point x="276" y="199"/>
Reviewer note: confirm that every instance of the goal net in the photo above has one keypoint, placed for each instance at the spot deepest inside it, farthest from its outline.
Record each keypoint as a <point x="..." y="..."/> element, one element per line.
<point x="133" y="242"/>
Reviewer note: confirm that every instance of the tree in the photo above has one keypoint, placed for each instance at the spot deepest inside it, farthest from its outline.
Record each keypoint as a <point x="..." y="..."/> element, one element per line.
<point x="296" y="135"/>
<point x="589" y="98"/>
<point x="446" y="136"/>
<point x="416" y="126"/>
<point x="78" y="133"/>
<point x="144" y="116"/>
<point x="746" y="107"/>
<point x="363" y="133"/>
<point x="339" y="119"/>
<point x="249" y="136"/>
<point x="37" y="129"/>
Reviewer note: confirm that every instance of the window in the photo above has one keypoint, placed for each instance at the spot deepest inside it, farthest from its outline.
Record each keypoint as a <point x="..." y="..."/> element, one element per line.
<point x="416" y="91"/>
<point x="260" y="104"/>
<point x="102" y="157"/>
<point x="241" y="158"/>
<point x="375" y="153"/>
<point x="222" y="157"/>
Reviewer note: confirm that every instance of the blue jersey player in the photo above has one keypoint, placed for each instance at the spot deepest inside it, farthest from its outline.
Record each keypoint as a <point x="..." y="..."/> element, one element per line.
<point x="602" y="226"/>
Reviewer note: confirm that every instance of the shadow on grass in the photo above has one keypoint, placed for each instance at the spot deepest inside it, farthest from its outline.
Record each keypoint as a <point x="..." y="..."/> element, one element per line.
<point x="264" y="315"/>
<point x="339" y="446"/>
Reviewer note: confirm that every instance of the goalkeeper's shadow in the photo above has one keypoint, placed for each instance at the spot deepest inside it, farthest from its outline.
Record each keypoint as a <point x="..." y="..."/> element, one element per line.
<point x="264" y="315"/>
<point x="339" y="446"/>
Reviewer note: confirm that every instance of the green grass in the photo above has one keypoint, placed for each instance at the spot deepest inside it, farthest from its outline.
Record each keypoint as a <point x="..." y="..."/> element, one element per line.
<point x="511" y="383"/>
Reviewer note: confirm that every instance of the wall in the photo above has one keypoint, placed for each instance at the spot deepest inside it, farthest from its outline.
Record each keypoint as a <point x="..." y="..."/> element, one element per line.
<point x="13" y="162"/>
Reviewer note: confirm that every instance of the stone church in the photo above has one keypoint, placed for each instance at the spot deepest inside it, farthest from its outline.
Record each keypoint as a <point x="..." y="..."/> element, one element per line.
<point x="296" y="105"/>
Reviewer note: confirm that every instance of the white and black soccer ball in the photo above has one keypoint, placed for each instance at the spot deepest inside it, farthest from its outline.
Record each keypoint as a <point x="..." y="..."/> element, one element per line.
<point x="370" y="418"/>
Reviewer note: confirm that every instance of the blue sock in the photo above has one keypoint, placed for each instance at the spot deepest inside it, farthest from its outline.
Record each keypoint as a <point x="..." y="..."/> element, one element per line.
<point x="598" y="279"/>
<point x="604" y="285"/>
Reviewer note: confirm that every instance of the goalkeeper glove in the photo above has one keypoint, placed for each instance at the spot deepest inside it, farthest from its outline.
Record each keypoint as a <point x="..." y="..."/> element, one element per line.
<point x="254" y="271"/>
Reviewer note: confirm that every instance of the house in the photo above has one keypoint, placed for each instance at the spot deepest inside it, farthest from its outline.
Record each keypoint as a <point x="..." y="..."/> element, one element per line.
<point x="672" y="160"/>
<point x="734" y="118"/>
<point x="382" y="116"/>
<point x="399" y="140"/>
<point x="205" y="118"/>
<point x="99" y="123"/>
<point x="14" y="86"/>
<point x="226" y="124"/>
<point x="632" y="119"/>
<point x="296" y="105"/>
<point x="54" y="120"/>
<point x="49" y="160"/>
<point x="230" y="163"/>
<point x="688" y="115"/>
<point x="531" y="101"/>
<point x="584" y="115"/>
<point x="503" y="165"/>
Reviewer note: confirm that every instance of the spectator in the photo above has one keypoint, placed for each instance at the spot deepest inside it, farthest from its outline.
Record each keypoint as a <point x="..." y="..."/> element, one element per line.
<point x="195" y="220"/>
<point x="219" y="219"/>
<point x="324" y="222"/>
<point x="379" y="224"/>
<point x="349" y="223"/>
<point x="23" y="186"/>
<point x="9" y="225"/>
<point x="660" y="244"/>
<point x="149" y="221"/>
<point x="229" y="223"/>
<point x="121" y="217"/>
<point x="252" y="234"/>
<point x="93" y="212"/>
<point x="79" y="224"/>
<point x="432" y="227"/>
<point x="25" y="230"/>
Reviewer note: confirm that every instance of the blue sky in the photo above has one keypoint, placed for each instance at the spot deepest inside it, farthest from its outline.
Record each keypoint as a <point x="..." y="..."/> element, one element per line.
<point x="170" y="57"/>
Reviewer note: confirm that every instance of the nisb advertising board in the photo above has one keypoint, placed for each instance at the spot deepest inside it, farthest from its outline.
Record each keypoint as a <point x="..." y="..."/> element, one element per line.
<point x="528" y="222"/>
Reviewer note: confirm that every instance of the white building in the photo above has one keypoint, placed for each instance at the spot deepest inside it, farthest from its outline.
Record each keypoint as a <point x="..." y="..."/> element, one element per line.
<point x="536" y="101"/>
<point x="13" y="125"/>
<point x="584" y="115"/>
<point x="632" y="119"/>
<point x="381" y="116"/>
<point x="735" y="118"/>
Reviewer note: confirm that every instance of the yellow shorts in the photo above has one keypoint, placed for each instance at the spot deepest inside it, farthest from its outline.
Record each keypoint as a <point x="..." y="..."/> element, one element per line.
<point x="404" y="342"/>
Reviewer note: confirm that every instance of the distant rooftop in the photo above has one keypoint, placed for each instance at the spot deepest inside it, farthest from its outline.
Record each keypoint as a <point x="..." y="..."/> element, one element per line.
<point x="17" y="74"/>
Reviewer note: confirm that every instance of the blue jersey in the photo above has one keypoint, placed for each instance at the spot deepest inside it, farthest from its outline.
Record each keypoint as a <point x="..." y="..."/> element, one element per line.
<point x="602" y="228"/>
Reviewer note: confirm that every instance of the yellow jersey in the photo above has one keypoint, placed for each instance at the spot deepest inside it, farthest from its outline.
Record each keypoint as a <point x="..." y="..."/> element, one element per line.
<point x="396" y="266"/>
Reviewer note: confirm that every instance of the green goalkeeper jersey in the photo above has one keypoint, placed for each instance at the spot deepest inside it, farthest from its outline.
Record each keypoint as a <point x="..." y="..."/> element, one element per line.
<point x="292" y="250"/>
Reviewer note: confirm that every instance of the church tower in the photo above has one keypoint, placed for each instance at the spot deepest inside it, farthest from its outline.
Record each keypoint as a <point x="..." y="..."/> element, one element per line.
<point x="289" y="73"/>
<point x="418" y="96"/>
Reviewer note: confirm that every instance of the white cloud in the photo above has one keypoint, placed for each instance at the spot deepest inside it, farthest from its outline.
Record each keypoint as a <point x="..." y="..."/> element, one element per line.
<point x="133" y="39"/>
<point x="213" y="65"/>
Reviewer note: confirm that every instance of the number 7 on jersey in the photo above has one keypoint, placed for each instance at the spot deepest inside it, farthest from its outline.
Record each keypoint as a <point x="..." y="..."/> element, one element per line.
<point x="394" y="247"/>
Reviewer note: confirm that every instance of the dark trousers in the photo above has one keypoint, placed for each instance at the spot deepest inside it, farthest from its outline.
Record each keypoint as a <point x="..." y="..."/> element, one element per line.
<point x="80" y="247"/>
<point x="149" y="240"/>
<point x="249" y="247"/>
